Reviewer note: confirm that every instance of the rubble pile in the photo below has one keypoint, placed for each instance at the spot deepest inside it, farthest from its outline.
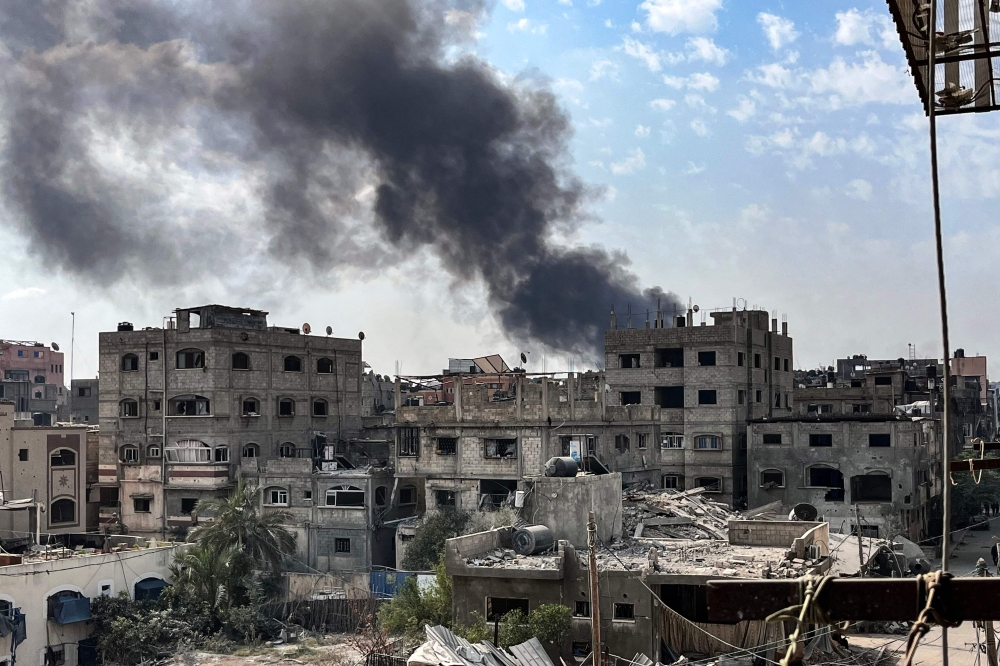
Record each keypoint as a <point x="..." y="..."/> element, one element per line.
<point x="706" y="557"/>
<point x="672" y="514"/>
<point x="505" y="557"/>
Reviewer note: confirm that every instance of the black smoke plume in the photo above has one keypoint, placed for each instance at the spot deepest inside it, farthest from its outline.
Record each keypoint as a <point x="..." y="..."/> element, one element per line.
<point x="143" y="138"/>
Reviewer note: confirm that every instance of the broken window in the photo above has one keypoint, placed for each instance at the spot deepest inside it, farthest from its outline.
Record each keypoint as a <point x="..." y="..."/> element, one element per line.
<point x="83" y="391"/>
<point x="631" y="397"/>
<point x="879" y="439"/>
<point x="293" y="364"/>
<point x="320" y="408"/>
<point x="286" y="407"/>
<point x="581" y="650"/>
<point x="814" y="408"/>
<point x="708" y="442"/>
<point x="625" y="612"/>
<point x="772" y="478"/>
<point x="189" y="405"/>
<point x="129" y="454"/>
<point x="669" y="397"/>
<point x="324" y="366"/>
<point x="706" y="358"/>
<point x="628" y="360"/>
<point x="621" y="442"/>
<point x="883" y="381"/>
<point x="820" y="439"/>
<point x="241" y="361"/>
<point x="128" y="408"/>
<point x="772" y="438"/>
<point x="341" y="545"/>
<point x="409" y="442"/>
<point x="190" y="358"/>
<point x="222" y="454"/>
<point x="777" y="399"/>
<point x="187" y="505"/>
<point x="276" y="496"/>
<point x="711" y="484"/>
<point x="445" y="498"/>
<point x="286" y="450"/>
<point x="63" y="458"/>
<point x="250" y="451"/>
<point x="345" y="496"/>
<point x="823" y="476"/>
<point x="582" y="609"/>
<point x="871" y="487"/>
<point x="687" y="600"/>
<point x="497" y="607"/>
<point x="669" y="440"/>
<point x="707" y="397"/>
<point x="643" y="438"/>
<point x="672" y="481"/>
<point x="446" y="446"/>
<point x="500" y="448"/>
<point x="380" y="495"/>
<point x="130" y="363"/>
<point x="251" y="407"/>
<point x="189" y="451"/>
<point x="671" y="357"/>
<point x="407" y="495"/>
<point x="861" y="408"/>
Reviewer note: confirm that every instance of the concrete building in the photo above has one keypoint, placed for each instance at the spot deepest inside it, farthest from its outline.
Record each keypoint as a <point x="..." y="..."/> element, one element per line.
<point x="475" y="452"/>
<point x="183" y="408"/>
<point x="47" y="465"/>
<point x="703" y="385"/>
<point x="84" y="400"/>
<point x="970" y="372"/>
<point x="32" y="376"/>
<point x="48" y="600"/>
<point x="882" y="470"/>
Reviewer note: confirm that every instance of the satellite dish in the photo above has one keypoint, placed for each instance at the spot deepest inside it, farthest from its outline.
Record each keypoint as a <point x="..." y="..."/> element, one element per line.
<point x="329" y="330"/>
<point x="55" y="346"/>
<point x="306" y="328"/>
<point x="805" y="512"/>
<point x="524" y="359"/>
<point x="361" y="335"/>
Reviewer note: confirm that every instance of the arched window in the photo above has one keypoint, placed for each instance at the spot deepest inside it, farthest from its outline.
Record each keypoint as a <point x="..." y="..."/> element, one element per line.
<point x="293" y="364"/>
<point x="153" y="451"/>
<point x="251" y="407"/>
<point x="128" y="454"/>
<point x="39" y="379"/>
<point x="250" y="450"/>
<point x="241" y="361"/>
<point x="148" y="589"/>
<point x="350" y="496"/>
<point x="189" y="451"/>
<point x="189" y="405"/>
<point x="286" y="407"/>
<point x="286" y="450"/>
<point x="190" y="358"/>
<point x="324" y="366"/>
<point x="320" y="408"/>
<point x="711" y="484"/>
<point x="63" y="458"/>
<point x="825" y="476"/>
<point x="38" y="395"/>
<point x="772" y="478"/>
<point x="130" y="363"/>
<point x="275" y="496"/>
<point x="128" y="408"/>
<point x="380" y="494"/>
<point x="67" y="607"/>
<point x="221" y="454"/>
<point x="62" y="511"/>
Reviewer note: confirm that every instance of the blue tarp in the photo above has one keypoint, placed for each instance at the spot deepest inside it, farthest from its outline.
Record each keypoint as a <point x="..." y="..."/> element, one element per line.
<point x="149" y="588"/>
<point x="69" y="611"/>
<point x="387" y="584"/>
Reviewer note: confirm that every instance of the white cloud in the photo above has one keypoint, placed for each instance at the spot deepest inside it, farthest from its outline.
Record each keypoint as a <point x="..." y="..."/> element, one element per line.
<point x="601" y="68"/>
<point x="27" y="292"/>
<point x="529" y="26"/>
<point x="636" y="161"/>
<point x="641" y="131"/>
<point x="698" y="127"/>
<point x="596" y="163"/>
<point x="568" y="3"/>
<point x="855" y="27"/>
<point x="697" y="102"/>
<point x="640" y="51"/>
<point x="703" y="48"/>
<point x="514" y="5"/>
<point x="693" y="169"/>
<point x="676" y="16"/>
<point x="871" y="80"/>
<point x="698" y="81"/>
<point x="773" y="75"/>
<point x="611" y="193"/>
<point x="662" y="104"/>
<point x="608" y="23"/>
<point x="859" y="189"/>
<point x="569" y="84"/>
<point x="636" y="26"/>
<point x="778" y="30"/>
<point x="600" y="122"/>
<point x="675" y="81"/>
<point x="746" y="108"/>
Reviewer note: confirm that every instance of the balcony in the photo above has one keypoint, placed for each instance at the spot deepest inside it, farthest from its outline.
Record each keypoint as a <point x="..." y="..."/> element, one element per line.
<point x="204" y="476"/>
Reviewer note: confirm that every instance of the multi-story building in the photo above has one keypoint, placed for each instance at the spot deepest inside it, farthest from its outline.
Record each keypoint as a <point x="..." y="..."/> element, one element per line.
<point x="705" y="383"/>
<point x="475" y="451"/>
<point x="185" y="407"/>
<point x="48" y="466"/>
<point x="84" y="397"/>
<point x="32" y="377"/>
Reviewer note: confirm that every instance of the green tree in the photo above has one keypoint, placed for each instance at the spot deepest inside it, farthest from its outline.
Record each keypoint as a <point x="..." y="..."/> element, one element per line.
<point x="210" y="576"/>
<point x="412" y="608"/>
<point x="427" y="545"/>
<point x="241" y="526"/>
<point x="968" y="496"/>
<point x="551" y="623"/>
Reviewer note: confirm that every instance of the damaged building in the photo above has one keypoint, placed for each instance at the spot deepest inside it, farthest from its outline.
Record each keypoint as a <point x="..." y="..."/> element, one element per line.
<point x="31" y="376"/>
<point x="701" y="386"/>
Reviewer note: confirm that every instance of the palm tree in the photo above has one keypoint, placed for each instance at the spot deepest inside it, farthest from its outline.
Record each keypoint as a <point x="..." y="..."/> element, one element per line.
<point x="240" y="525"/>
<point x="208" y="575"/>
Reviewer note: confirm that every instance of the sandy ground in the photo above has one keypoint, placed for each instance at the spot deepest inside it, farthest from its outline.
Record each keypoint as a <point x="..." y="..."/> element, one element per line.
<point x="322" y="651"/>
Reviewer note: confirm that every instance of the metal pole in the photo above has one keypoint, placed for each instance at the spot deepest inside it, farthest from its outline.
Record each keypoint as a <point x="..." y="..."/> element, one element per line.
<point x="861" y="553"/>
<point x="595" y="597"/>
<point x="943" y="297"/>
<point x="72" y="356"/>
<point x="991" y="644"/>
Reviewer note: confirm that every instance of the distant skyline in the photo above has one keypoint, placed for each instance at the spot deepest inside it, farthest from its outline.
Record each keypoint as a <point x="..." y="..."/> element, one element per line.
<point x="774" y="152"/>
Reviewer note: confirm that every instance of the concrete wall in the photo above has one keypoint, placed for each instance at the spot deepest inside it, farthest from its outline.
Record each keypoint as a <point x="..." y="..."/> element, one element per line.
<point x="84" y="408"/>
<point x="28" y="586"/>
<point x="563" y="505"/>
<point x="777" y="533"/>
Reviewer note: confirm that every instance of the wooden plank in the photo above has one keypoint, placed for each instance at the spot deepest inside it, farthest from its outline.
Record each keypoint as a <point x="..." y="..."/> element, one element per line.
<point x="638" y="530"/>
<point x="963" y="465"/>
<point x="875" y="599"/>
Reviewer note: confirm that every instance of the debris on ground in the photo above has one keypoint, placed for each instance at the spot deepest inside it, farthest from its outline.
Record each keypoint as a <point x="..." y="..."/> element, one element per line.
<point x="673" y="514"/>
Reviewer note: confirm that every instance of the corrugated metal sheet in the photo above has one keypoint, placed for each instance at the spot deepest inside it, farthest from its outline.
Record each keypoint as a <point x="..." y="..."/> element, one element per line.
<point x="531" y="653"/>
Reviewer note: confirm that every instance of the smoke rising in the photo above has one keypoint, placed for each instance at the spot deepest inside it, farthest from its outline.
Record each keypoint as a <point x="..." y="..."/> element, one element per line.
<point x="164" y="142"/>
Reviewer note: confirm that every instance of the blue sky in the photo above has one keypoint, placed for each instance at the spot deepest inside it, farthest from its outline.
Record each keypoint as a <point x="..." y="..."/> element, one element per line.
<point x="771" y="152"/>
